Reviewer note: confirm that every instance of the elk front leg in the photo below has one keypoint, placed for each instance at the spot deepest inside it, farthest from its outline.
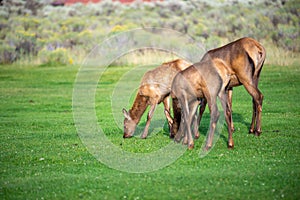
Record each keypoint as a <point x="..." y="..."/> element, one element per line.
<point x="176" y="120"/>
<point x="228" y="117"/>
<point x="229" y="104"/>
<point x="180" y="133"/>
<point x="180" y="120"/>
<point x="167" y="114"/>
<point x="196" y="126"/>
<point x="149" y="117"/>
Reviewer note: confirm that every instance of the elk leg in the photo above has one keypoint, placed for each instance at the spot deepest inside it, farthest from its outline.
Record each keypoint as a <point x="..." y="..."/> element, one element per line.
<point x="187" y="123"/>
<point x="192" y="118"/>
<point x="228" y="117"/>
<point x="188" y="113"/>
<point x="258" y="116"/>
<point x="257" y="108"/>
<point x="254" y="114"/>
<point x="196" y="126"/>
<point x="167" y="113"/>
<point x="196" y="121"/>
<point x="229" y="104"/>
<point x="181" y="122"/>
<point x="176" y="119"/>
<point x="201" y="111"/>
<point x="180" y="132"/>
<point x="252" y="126"/>
<point x="214" y="116"/>
<point x="149" y="117"/>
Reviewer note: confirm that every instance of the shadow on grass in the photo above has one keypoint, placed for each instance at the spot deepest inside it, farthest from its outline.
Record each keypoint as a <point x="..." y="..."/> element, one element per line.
<point x="203" y="128"/>
<point x="205" y="121"/>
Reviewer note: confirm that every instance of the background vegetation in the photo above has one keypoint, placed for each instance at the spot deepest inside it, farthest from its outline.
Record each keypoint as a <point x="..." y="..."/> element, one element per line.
<point x="37" y="32"/>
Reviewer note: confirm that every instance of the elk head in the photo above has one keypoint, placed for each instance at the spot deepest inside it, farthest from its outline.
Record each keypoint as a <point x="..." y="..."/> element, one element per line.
<point x="129" y="124"/>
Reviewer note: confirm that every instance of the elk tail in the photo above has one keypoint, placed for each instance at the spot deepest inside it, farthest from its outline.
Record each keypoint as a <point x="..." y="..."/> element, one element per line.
<point x="256" y="59"/>
<point x="261" y="56"/>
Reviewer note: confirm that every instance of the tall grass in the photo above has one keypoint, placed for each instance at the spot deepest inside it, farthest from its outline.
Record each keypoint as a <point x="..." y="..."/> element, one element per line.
<point x="275" y="56"/>
<point x="280" y="56"/>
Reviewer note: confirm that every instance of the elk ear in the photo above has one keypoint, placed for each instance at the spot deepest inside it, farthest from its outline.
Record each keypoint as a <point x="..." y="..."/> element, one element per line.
<point x="126" y="114"/>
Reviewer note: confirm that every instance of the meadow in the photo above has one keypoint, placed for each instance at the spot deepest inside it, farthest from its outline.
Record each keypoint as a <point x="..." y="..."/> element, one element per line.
<point x="42" y="156"/>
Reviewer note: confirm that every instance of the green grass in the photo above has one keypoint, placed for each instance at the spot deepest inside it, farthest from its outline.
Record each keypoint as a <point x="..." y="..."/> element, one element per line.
<point x="42" y="156"/>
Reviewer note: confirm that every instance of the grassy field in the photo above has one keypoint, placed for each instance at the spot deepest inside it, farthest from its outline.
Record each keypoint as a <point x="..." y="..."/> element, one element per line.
<point x="42" y="156"/>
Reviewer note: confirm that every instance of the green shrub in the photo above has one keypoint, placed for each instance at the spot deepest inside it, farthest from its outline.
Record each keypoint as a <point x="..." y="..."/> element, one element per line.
<point x="33" y="28"/>
<point x="287" y="37"/>
<point x="59" y="56"/>
<point x="7" y="54"/>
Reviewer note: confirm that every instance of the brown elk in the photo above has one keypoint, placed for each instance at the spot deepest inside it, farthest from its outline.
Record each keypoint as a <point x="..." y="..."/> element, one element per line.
<point x="241" y="61"/>
<point x="155" y="87"/>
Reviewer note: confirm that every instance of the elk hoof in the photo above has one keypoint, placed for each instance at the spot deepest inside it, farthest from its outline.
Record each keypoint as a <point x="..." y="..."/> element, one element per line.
<point x="127" y="136"/>
<point x="143" y="136"/>
<point x="177" y="137"/>
<point x="197" y="135"/>
<point x="172" y="136"/>
<point x="230" y="146"/>
<point x="257" y="133"/>
<point x="206" y="148"/>
<point x="191" y="146"/>
<point x="251" y="131"/>
<point x="176" y="140"/>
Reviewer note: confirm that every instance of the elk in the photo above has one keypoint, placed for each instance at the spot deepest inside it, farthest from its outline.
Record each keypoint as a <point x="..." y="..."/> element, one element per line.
<point x="155" y="87"/>
<point x="200" y="81"/>
<point x="241" y="61"/>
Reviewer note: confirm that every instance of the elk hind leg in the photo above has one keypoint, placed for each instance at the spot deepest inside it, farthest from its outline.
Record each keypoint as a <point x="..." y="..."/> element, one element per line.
<point x="214" y="116"/>
<point x="199" y="117"/>
<point x="192" y="119"/>
<point x="252" y="126"/>
<point x="257" y="99"/>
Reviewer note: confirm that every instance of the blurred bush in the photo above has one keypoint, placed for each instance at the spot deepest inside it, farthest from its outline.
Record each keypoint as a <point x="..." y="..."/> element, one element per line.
<point x="35" y="28"/>
<point x="7" y="54"/>
<point x="59" y="56"/>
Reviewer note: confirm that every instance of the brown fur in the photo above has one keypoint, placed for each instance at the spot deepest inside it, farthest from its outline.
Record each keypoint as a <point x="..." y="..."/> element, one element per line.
<point x="155" y="88"/>
<point x="241" y="61"/>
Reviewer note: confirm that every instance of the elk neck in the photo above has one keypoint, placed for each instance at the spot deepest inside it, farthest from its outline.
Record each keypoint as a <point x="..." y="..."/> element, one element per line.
<point x="138" y="108"/>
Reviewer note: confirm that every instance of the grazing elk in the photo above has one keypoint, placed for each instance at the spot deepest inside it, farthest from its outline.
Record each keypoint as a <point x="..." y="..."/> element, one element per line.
<point x="243" y="60"/>
<point x="155" y="88"/>
<point x="208" y="80"/>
